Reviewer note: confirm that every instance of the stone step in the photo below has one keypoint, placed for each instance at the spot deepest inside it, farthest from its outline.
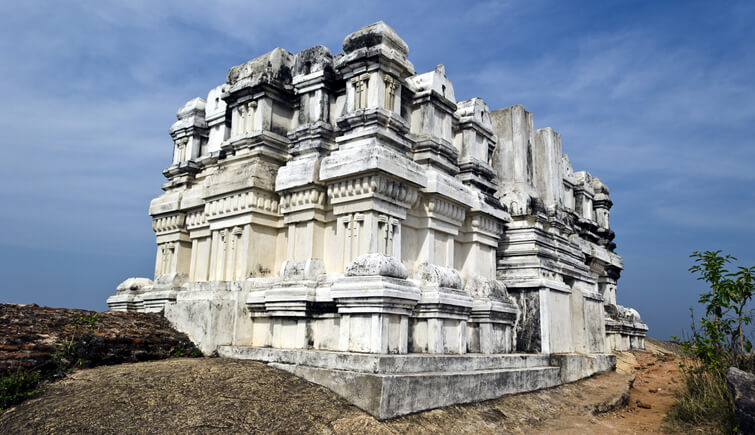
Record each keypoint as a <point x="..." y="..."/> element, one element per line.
<point x="387" y="364"/>
<point x="392" y="395"/>
<point x="388" y="385"/>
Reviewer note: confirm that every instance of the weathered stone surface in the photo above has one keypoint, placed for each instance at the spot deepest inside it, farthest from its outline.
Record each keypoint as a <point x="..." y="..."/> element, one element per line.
<point x="274" y="67"/>
<point x="577" y="366"/>
<point x="480" y="288"/>
<point x="388" y="364"/>
<point x="387" y="386"/>
<point x="430" y="274"/>
<point x="378" y="34"/>
<point x="134" y="284"/>
<point x="376" y="265"/>
<point x="742" y="387"/>
<point x="346" y="203"/>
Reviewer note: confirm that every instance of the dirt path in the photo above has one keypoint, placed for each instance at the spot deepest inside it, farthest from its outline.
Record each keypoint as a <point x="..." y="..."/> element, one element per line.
<point x="215" y="395"/>
<point x="656" y="382"/>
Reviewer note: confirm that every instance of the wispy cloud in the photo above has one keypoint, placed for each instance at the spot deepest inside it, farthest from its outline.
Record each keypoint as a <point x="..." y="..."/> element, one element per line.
<point x="655" y="99"/>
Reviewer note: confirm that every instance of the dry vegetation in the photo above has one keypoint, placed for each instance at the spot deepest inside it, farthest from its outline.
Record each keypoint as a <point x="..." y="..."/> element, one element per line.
<point x="215" y="395"/>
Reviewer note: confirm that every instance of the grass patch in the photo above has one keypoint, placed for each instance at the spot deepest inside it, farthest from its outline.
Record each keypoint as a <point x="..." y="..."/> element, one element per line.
<point x="90" y="321"/>
<point x="15" y="387"/>
<point x="182" y="351"/>
<point x="704" y="401"/>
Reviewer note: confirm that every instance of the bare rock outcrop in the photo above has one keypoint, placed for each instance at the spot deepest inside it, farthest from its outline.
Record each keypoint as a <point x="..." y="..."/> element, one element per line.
<point x="50" y="339"/>
<point x="742" y="388"/>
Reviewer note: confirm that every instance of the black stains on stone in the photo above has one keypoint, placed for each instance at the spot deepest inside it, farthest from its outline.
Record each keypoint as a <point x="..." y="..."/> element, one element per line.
<point x="283" y="75"/>
<point x="313" y="59"/>
<point x="537" y="206"/>
<point x="528" y="326"/>
<point x="320" y="308"/>
<point x="362" y="41"/>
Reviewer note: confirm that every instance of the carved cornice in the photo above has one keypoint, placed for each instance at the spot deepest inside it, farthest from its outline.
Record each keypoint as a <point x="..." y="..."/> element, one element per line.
<point x="374" y="185"/>
<point x="302" y="199"/>
<point x="437" y="206"/>
<point x="165" y="224"/>
<point x="242" y="202"/>
<point x="314" y="137"/>
<point x="374" y="116"/>
<point x="258" y="142"/>
<point x="481" y="222"/>
<point x="196" y="219"/>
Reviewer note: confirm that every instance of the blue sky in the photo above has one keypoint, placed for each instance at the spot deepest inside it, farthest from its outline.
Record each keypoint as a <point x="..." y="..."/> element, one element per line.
<point x="655" y="98"/>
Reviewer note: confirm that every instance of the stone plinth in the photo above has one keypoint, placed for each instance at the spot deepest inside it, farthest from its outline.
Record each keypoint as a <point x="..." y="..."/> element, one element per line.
<point x="389" y="386"/>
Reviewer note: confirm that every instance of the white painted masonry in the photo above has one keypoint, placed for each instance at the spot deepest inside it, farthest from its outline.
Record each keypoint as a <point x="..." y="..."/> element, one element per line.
<point x="345" y="203"/>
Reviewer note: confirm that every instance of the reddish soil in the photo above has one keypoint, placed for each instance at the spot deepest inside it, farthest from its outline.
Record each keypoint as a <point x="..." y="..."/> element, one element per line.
<point x="657" y="380"/>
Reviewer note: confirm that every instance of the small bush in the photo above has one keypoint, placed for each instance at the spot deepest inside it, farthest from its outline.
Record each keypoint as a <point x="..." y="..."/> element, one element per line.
<point x="704" y="400"/>
<point x="720" y="342"/>
<point x="90" y="321"/>
<point x="182" y="352"/>
<point x="17" y="387"/>
<point x="65" y="358"/>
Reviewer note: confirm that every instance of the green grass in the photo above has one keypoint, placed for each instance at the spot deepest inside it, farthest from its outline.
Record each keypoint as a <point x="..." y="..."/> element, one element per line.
<point x="704" y="401"/>
<point x="181" y="351"/>
<point x="15" y="387"/>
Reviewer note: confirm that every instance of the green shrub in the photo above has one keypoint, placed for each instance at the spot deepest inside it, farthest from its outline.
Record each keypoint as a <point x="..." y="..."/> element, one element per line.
<point x="182" y="352"/>
<point x="717" y="344"/>
<point x="17" y="387"/>
<point x="90" y="321"/>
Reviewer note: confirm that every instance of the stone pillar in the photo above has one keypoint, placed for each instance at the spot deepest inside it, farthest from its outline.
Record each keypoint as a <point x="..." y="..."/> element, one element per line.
<point x="583" y="196"/>
<point x="190" y="132"/>
<point x="374" y="300"/>
<point x="439" y="321"/>
<point x="173" y="244"/>
<point x="241" y="119"/>
<point x="490" y="326"/>
<point x="368" y="211"/>
<point x="514" y="158"/>
<point x="549" y="176"/>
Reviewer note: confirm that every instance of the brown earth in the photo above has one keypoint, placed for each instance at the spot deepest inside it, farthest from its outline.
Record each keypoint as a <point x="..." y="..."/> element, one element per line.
<point x="49" y="340"/>
<point x="215" y="395"/>
<point x="657" y="380"/>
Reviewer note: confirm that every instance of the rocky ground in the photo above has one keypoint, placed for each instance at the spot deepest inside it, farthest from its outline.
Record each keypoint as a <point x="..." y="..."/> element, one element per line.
<point x="215" y="395"/>
<point x="54" y="340"/>
<point x="656" y="381"/>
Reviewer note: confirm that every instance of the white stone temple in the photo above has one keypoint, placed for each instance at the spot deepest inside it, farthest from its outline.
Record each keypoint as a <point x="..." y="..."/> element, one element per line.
<point x="344" y="217"/>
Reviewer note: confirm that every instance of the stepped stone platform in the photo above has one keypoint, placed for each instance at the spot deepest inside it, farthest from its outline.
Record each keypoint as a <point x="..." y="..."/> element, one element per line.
<point x="389" y="386"/>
